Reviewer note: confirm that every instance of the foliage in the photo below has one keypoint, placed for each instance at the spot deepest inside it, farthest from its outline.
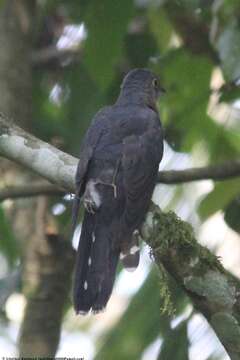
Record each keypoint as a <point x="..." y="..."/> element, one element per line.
<point x="184" y="42"/>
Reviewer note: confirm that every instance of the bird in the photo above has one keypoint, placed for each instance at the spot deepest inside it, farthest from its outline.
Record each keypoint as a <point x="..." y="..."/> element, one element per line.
<point x="115" y="179"/>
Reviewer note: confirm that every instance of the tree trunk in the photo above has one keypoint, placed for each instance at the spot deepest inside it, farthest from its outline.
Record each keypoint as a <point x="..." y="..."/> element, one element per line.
<point x="47" y="259"/>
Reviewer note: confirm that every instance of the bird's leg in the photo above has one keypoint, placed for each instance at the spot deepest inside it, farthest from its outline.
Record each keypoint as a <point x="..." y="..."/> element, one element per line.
<point x="109" y="184"/>
<point x="114" y="178"/>
<point x="91" y="197"/>
<point x="89" y="206"/>
<point x="112" y="184"/>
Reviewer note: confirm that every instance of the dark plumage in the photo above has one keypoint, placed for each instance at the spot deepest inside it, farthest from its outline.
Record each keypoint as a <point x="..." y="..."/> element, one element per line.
<point x="116" y="176"/>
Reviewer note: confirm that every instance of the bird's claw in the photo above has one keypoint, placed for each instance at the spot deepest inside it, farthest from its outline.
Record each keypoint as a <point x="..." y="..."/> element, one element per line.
<point x="90" y="206"/>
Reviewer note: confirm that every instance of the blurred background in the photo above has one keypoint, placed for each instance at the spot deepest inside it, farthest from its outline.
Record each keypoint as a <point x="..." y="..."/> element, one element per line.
<point x="60" y="61"/>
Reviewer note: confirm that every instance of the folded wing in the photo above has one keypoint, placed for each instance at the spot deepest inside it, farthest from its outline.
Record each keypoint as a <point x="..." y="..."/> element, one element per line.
<point x="140" y="162"/>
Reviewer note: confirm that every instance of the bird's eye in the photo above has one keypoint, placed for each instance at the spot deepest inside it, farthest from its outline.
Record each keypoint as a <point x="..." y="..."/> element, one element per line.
<point x="155" y="83"/>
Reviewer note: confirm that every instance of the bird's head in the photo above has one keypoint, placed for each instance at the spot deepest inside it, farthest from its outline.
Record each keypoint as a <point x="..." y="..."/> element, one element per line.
<point x="141" y="86"/>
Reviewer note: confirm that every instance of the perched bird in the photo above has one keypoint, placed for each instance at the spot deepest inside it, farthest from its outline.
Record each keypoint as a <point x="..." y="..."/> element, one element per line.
<point x="116" y="175"/>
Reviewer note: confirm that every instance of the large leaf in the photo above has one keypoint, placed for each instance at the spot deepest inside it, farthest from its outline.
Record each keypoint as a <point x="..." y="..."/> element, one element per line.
<point x="140" y="47"/>
<point x="84" y="100"/>
<point x="47" y="116"/>
<point x="106" y="22"/>
<point x="138" y="327"/>
<point x="69" y="119"/>
<point x="184" y="108"/>
<point x="160" y="26"/>
<point x="223" y="144"/>
<point x="175" y="345"/>
<point x="232" y="214"/>
<point x="230" y="93"/>
<point x="187" y="80"/>
<point x="229" y="49"/>
<point x="219" y="197"/>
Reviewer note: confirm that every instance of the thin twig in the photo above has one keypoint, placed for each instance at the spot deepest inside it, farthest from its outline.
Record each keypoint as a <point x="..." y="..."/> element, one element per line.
<point x="42" y="56"/>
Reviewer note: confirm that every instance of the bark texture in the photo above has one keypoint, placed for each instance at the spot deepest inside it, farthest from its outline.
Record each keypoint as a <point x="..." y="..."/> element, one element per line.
<point x="213" y="291"/>
<point x="59" y="167"/>
<point x="15" y="69"/>
<point x="46" y="260"/>
<point x="39" y="156"/>
<point x="47" y="294"/>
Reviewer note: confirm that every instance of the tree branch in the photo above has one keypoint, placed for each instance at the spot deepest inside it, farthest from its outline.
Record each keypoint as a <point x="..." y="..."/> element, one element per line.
<point x="59" y="167"/>
<point x="223" y="171"/>
<point x="30" y="190"/>
<point x="37" y="155"/>
<point x="213" y="291"/>
<point x="43" y="56"/>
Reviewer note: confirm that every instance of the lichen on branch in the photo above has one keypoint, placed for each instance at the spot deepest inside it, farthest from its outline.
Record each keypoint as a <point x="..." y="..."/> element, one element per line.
<point x="37" y="155"/>
<point x="213" y="291"/>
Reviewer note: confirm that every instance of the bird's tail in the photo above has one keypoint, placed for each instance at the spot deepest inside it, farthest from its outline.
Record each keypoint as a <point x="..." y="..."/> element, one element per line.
<point x="95" y="266"/>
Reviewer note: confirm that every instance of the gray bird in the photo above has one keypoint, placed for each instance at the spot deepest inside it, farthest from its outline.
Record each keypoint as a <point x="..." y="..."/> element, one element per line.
<point x="116" y="175"/>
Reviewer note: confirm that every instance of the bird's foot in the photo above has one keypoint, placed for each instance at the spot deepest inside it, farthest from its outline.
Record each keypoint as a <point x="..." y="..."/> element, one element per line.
<point x="91" y="197"/>
<point x="90" y="206"/>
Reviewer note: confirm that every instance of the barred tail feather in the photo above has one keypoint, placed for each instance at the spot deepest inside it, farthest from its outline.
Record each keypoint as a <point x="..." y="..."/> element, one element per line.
<point x="95" y="267"/>
<point x="82" y="303"/>
<point x="130" y="253"/>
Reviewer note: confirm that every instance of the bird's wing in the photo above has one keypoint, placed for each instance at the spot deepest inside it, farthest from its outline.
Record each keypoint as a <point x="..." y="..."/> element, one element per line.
<point x="91" y="140"/>
<point x="140" y="162"/>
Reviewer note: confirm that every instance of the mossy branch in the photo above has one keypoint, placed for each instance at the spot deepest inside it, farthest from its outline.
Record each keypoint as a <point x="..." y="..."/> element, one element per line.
<point x="213" y="291"/>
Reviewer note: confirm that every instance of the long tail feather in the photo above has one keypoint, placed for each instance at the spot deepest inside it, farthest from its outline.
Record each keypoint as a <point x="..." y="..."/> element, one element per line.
<point x="95" y="267"/>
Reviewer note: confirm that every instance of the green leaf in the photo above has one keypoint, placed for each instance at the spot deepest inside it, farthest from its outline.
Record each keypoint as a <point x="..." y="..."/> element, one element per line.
<point x="84" y="100"/>
<point x="234" y="139"/>
<point x="106" y="22"/>
<point x="160" y="26"/>
<point x="184" y="108"/>
<point x="230" y="94"/>
<point x="232" y="214"/>
<point x="219" y="198"/>
<point x="139" y="325"/>
<point x="229" y="49"/>
<point x="175" y="345"/>
<point x="140" y="47"/>
<point x="48" y="117"/>
<point x="223" y="144"/>
<point x="142" y="323"/>
<point x="187" y="80"/>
